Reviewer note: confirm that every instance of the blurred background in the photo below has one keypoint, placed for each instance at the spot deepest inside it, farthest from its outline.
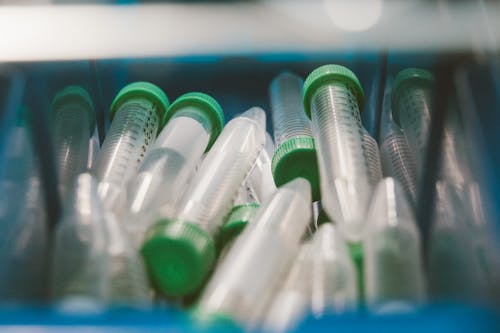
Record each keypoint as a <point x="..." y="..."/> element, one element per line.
<point x="232" y="50"/>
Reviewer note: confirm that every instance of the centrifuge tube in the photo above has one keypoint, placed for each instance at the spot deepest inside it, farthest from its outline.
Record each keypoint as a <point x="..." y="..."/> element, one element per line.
<point x="244" y="281"/>
<point x="192" y="123"/>
<point x="73" y="123"/>
<point x="398" y="161"/>
<point x="372" y="156"/>
<point x="261" y="178"/>
<point x="393" y="269"/>
<point x="322" y="281"/>
<point x="295" y="155"/>
<point x="136" y="115"/>
<point x="179" y="250"/>
<point x="411" y="109"/>
<point x="92" y="258"/>
<point x="333" y="98"/>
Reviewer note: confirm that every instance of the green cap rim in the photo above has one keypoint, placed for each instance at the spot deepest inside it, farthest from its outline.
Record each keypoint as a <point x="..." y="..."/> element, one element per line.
<point x="207" y="106"/>
<point x="237" y="220"/>
<point x="76" y="94"/>
<point x="297" y="158"/>
<point x="408" y="76"/>
<point x="212" y="319"/>
<point x="326" y="74"/>
<point x="141" y="89"/>
<point x="178" y="256"/>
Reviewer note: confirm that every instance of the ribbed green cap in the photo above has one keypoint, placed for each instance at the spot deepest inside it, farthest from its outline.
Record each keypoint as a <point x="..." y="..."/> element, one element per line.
<point x="206" y="105"/>
<point x="213" y="320"/>
<point x="327" y="74"/>
<point x="75" y="94"/>
<point x="141" y="89"/>
<point x="405" y="78"/>
<point x="296" y="158"/>
<point x="237" y="220"/>
<point x="178" y="256"/>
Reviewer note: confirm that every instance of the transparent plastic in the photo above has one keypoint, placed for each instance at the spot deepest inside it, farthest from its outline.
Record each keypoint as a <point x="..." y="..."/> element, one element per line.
<point x="243" y="282"/>
<point x="398" y="161"/>
<point x="168" y="165"/>
<point x="393" y="271"/>
<point x="461" y="238"/>
<point x="451" y="269"/>
<point x="372" y="156"/>
<point x="94" y="147"/>
<point x="413" y="108"/>
<point x="338" y="134"/>
<point x="214" y="187"/>
<point x="289" y="119"/>
<point x="131" y="134"/>
<point x="92" y="259"/>
<point x="321" y="281"/>
<point x="23" y="223"/>
<point x="261" y="178"/>
<point x="70" y="123"/>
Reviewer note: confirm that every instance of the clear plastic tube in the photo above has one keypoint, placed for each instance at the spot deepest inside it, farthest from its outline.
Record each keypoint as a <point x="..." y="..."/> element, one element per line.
<point x="239" y="290"/>
<point x="338" y="133"/>
<point x="450" y="269"/>
<point x="133" y="129"/>
<point x="79" y="245"/>
<point x="23" y="224"/>
<point x="411" y="108"/>
<point x="392" y="252"/>
<point x="189" y="132"/>
<point x="321" y="281"/>
<point x="372" y="156"/>
<point x="73" y="124"/>
<point x="397" y="160"/>
<point x="261" y="178"/>
<point x="289" y="120"/>
<point x="169" y="163"/>
<point x="295" y="155"/>
<point x="229" y="162"/>
<point x="92" y="259"/>
<point x="185" y="239"/>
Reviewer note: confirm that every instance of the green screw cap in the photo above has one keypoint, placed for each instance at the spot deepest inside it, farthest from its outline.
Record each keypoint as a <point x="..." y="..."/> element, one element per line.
<point x="178" y="256"/>
<point x="214" y="321"/>
<point x="238" y="219"/>
<point x="144" y="90"/>
<point x="75" y="94"/>
<point x="326" y="74"/>
<point x="206" y="105"/>
<point x="296" y="158"/>
<point x="405" y="78"/>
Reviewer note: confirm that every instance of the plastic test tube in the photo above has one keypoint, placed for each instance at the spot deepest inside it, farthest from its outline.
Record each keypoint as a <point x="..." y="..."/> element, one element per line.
<point x="372" y="156"/>
<point x="192" y="123"/>
<point x="73" y="123"/>
<point x="397" y="159"/>
<point x="392" y="253"/>
<point x="333" y="98"/>
<point x="295" y="154"/>
<point x="136" y="114"/>
<point x="23" y="225"/>
<point x="321" y="281"/>
<point x="179" y="250"/>
<point x="243" y="282"/>
<point x="261" y="177"/>
<point x="411" y="109"/>
<point x="92" y="261"/>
